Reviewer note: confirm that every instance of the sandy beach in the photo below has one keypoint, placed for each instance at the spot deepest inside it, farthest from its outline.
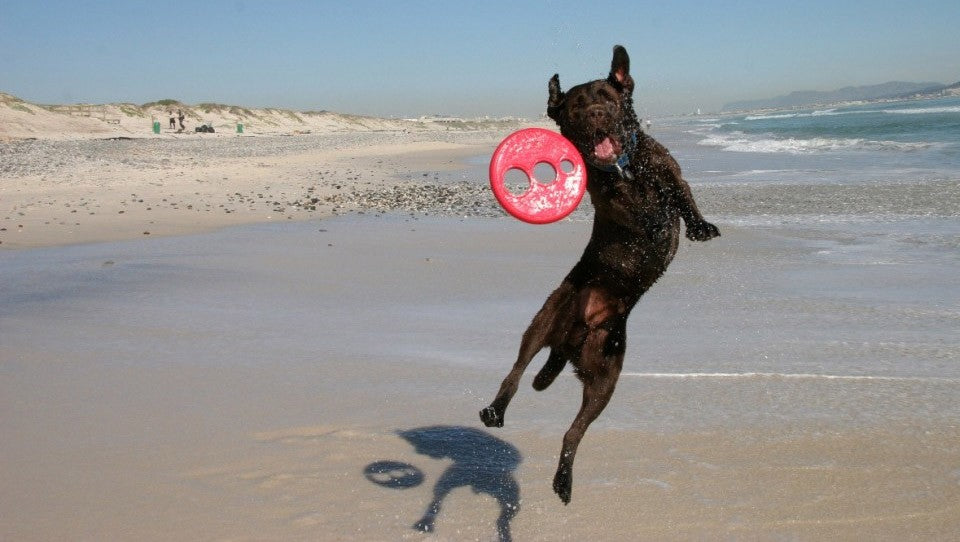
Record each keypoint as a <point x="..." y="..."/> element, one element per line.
<point x="64" y="192"/>
<point x="288" y="337"/>
<point x="78" y="174"/>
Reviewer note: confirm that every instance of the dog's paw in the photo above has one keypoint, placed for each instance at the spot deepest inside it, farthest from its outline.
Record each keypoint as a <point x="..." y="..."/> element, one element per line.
<point x="563" y="484"/>
<point x="702" y="231"/>
<point x="491" y="418"/>
<point x="424" y="526"/>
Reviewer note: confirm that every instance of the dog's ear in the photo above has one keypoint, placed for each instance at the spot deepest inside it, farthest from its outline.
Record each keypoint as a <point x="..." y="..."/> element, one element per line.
<point x="555" y="102"/>
<point x="620" y="70"/>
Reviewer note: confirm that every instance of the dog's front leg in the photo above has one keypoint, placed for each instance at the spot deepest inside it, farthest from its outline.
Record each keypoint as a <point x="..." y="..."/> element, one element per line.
<point x="698" y="229"/>
<point x="681" y="198"/>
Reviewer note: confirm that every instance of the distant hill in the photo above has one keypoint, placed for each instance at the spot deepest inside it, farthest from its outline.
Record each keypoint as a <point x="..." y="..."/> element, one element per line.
<point x="892" y="89"/>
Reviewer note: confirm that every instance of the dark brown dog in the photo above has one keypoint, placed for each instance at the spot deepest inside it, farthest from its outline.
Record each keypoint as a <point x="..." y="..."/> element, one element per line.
<point x="639" y="198"/>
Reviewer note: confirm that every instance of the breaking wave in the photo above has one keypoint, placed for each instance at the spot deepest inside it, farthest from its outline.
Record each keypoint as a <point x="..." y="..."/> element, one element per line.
<point x="789" y="376"/>
<point x="924" y="110"/>
<point x="835" y="112"/>
<point x="740" y="142"/>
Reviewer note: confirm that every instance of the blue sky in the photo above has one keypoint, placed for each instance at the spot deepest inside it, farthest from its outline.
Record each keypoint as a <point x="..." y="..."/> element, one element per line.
<point x="407" y="58"/>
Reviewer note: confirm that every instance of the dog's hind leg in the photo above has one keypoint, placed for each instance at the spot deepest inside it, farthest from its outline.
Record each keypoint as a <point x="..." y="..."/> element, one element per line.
<point x="598" y="367"/>
<point x="535" y="338"/>
<point x="597" y="390"/>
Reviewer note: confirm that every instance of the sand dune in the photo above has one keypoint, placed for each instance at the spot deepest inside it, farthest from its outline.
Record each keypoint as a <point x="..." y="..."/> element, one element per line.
<point x="20" y="119"/>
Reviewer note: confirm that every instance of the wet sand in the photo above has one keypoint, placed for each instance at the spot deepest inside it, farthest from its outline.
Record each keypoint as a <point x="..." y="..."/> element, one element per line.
<point x="247" y="384"/>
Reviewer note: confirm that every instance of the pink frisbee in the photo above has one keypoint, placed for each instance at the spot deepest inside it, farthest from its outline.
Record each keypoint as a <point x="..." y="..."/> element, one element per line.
<point x="541" y="202"/>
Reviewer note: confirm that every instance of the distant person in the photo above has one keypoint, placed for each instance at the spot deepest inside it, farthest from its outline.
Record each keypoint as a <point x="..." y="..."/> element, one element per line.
<point x="173" y="121"/>
<point x="180" y="116"/>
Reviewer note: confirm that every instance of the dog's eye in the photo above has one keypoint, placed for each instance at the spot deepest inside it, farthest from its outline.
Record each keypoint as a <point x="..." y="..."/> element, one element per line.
<point x="609" y="94"/>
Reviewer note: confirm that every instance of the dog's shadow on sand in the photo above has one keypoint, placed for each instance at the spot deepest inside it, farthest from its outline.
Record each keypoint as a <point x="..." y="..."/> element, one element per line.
<point x="481" y="462"/>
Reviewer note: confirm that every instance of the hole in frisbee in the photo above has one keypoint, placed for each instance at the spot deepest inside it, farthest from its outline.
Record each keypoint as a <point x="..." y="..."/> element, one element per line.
<point x="393" y="474"/>
<point x="545" y="173"/>
<point x="516" y="182"/>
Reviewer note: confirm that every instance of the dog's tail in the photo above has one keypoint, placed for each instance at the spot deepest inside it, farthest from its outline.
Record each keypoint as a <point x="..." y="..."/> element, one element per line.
<point x="553" y="367"/>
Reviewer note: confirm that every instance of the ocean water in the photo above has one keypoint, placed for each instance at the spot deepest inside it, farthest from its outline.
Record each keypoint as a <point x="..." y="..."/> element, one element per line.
<point x="893" y="141"/>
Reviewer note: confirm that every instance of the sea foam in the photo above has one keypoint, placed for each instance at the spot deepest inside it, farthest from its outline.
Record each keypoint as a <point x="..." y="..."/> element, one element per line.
<point x="789" y="376"/>
<point x="740" y="142"/>
<point x="923" y="110"/>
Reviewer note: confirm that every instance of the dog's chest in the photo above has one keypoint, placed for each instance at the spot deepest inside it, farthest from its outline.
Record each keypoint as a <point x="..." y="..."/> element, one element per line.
<point x="630" y="202"/>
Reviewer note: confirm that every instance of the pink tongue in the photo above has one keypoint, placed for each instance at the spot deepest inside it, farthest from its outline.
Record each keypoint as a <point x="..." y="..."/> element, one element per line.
<point x="604" y="149"/>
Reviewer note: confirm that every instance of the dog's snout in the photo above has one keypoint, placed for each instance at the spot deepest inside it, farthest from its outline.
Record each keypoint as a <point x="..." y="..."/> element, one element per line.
<point x="598" y="113"/>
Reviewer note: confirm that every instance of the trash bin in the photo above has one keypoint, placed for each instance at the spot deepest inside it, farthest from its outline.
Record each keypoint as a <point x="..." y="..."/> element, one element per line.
<point x="156" y="126"/>
<point x="239" y="128"/>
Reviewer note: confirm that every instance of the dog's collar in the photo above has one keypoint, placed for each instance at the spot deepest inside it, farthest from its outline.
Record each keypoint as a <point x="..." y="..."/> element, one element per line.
<point x="620" y="167"/>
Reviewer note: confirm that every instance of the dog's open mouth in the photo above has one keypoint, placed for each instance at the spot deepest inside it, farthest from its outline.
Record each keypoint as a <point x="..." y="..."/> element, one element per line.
<point x="606" y="150"/>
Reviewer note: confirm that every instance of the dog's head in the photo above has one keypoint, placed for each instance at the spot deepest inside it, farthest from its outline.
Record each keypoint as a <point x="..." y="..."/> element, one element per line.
<point x="597" y="116"/>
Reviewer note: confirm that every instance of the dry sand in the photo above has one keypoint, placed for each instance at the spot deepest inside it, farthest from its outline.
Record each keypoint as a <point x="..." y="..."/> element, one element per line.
<point x="64" y="192"/>
<point x="70" y="174"/>
<point x="245" y="383"/>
